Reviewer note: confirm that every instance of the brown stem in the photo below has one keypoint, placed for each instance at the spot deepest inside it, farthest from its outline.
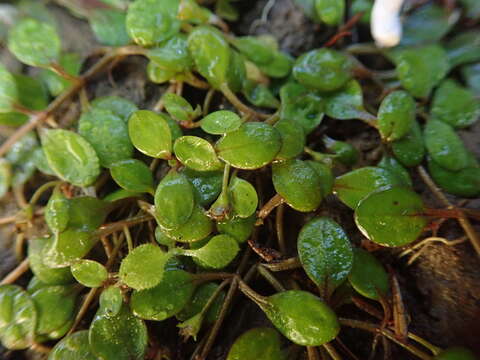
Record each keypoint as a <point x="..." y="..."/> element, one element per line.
<point x="16" y="273"/>
<point x="200" y="278"/>
<point x="312" y="353"/>
<point x="279" y="228"/>
<point x="277" y="285"/>
<point x="230" y="95"/>
<point x="83" y="309"/>
<point x="331" y="351"/>
<point x="8" y="219"/>
<point x="108" y="229"/>
<point x="283" y="265"/>
<point x="58" y="69"/>
<point x="275" y="201"/>
<point x="207" y="101"/>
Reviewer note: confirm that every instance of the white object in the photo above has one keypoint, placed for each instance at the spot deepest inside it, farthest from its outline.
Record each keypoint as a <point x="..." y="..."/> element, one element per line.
<point x="385" y="24"/>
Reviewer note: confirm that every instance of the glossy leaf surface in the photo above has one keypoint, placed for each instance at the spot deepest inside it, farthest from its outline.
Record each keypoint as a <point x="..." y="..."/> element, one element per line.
<point x="89" y="273"/>
<point x="73" y="347"/>
<point x="258" y="343"/>
<point x="396" y="115"/>
<point x="196" y="153"/>
<point x="221" y="122"/>
<point x="132" y="175"/>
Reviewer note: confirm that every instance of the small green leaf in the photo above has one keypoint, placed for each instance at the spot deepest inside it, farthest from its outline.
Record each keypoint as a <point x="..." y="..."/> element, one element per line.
<point x="257" y="49"/>
<point x="108" y="134"/>
<point x="121" y="107"/>
<point x="243" y="197"/>
<point x="354" y="186"/>
<point x="132" y="175"/>
<point x="111" y="301"/>
<point x="393" y="165"/>
<point x="331" y="12"/>
<point x="344" y="152"/>
<point x="346" y="103"/>
<point x="34" y="43"/>
<point x="150" y="134"/>
<point x="119" y="337"/>
<point x="172" y="55"/>
<point x="252" y="146"/>
<point x="323" y="69"/>
<point x="179" y="108"/>
<point x="396" y="115"/>
<point x="293" y="139"/>
<point x="18" y="318"/>
<point x="211" y="54"/>
<point x="89" y="273"/>
<point x="298" y="183"/>
<point x="197" y="227"/>
<point x="5" y="176"/>
<point x="60" y="252"/>
<point x="455" y="353"/>
<point x="166" y="299"/>
<point x="8" y="90"/>
<point x="73" y="347"/>
<point x="219" y="251"/>
<point x="174" y="200"/>
<point x="464" y="48"/>
<point x="393" y="217"/>
<point x="410" y="149"/>
<point x="150" y="22"/>
<point x="368" y="276"/>
<point x="325" y="253"/>
<point x="207" y="185"/>
<point x="196" y="153"/>
<point x="143" y="267"/>
<point x="445" y="146"/>
<point x="31" y="92"/>
<point x="71" y="157"/>
<point x="71" y="63"/>
<point x="238" y="228"/>
<point x="258" y="343"/>
<point x="87" y="213"/>
<point x="325" y="174"/>
<point x="455" y="105"/>
<point x="108" y="26"/>
<point x="221" y="122"/>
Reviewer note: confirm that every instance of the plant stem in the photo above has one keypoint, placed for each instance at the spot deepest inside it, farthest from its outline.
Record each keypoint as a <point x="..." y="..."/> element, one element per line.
<point x="331" y="351"/>
<point x="200" y="278"/>
<point x="283" y="265"/>
<point x="83" y="309"/>
<point x="8" y="219"/>
<point x="208" y="100"/>
<point x="275" y="201"/>
<point x="39" y="192"/>
<point x="312" y="353"/>
<point x="270" y="278"/>
<point x="434" y="349"/>
<point x="108" y="229"/>
<point x="128" y="236"/>
<point x="253" y="295"/>
<point x="279" y="228"/>
<point x="21" y="269"/>
<point x="230" y="95"/>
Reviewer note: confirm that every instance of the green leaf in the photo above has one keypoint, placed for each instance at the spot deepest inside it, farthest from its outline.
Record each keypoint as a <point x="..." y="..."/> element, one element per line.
<point x="396" y="115"/>
<point x="159" y="75"/>
<point x="73" y="347"/>
<point x="14" y="119"/>
<point x="71" y="157"/>
<point x="197" y="227"/>
<point x="356" y="185"/>
<point x="207" y="185"/>
<point x="298" y="183"/>
<point x="410" y="149"/>
<point x="257" y="343"/>
<point x="445" y="146"/>
<point x="259" y="94"/>
<point x="243" y="197"/>
<point x="166" y="299"/>
<point x="368" y="277"/>
<point x="455" y="353"/>
<point x="331" y="12"/>
<point x="237" y="71"/>
<point x="132" y="175"/>
<point x="22" y="158"/>
<point x="472" y="8"/>
<point x="143" y="267"/>
<point x="325" y="174"/>
<point x="364" y="7"/>
<point x="463" y="183"/>
<point x="150" y="134"/>
<point x="18" y="318"/>
<point x="463" y="48"/>
<point x="238" y="228"/>
<point x="8" y="90"/>
<point x="325" y="253"/>
<point x="179" y="108"/>
<point x="471" y="76"/>
<point x="323" y="69"/>
<point x="344" y="152"/>
<point x="55" y="307"/>
<point x="31" y="93"/>
<point x="302" y="317"/>
<point x="120" y="337"/>
<point x="108" y="26"/>
<point x="280" y="66"/>
<point x="219" y="251"/>
<point x="393" y="217"/>
<point x="49" y="276"/>
<point x="455" y="105"/>
<point x="211" y="54"/>
<point x="393" y="165"/>
<point x="199" y="299"/>
<point x="68" y="247"/>
<point x="34" y="43"/>
<point x="89" y="273"/>
<point x="107" y="133"/>
<point x="174" y="200"/>
<point x="196" y="153"/>
<point x="150" y="22"/>
<point x="419" y="69"/>
<point x="257" y="49"/>
<point x="121" y="107"/>
<point x="346" y="103"/>
<point x="87" y="213"/>
<point x="221" y="122"/>
<point x="5" y="176"/>
<point x="252" y="146"/>
<point x="111" y="301"/>
<point x="71" y="63"/>
<point x="172" y="55"/>
<point x="293" y="139"/>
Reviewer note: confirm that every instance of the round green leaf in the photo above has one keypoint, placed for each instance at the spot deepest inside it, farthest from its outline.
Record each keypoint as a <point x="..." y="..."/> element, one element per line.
<point x="50" y="276"/>
<point x="132" y="175"/>
<point x="108" y="26"/>
<point x="463" y="48"/>
<point x="31" y="92"/>
<point x="89" y="273"/>
<point x="325" y="253"/>
<point x="174" y="200"/>
<point x="368" y="276"/>
<point x="196" y="153"/>
<point x="331" y="12"/>
<point x="325" y="174"/>
<point x="323" y="69"/>
<point x="150" y="22"/>
<point x="166" y="299"/>
<point x="219" y="251"/>
<point x="455" y="105"/>
<point x="391" y="164"/>
<point x="57" y="212"/>
<point x="179" y="108"/>
<point x="8" y="90"/>
<point x="73" y="347"/>
<point x="445" y="146"/>
<point x="243" y="197"/>
<point x="71" y="157"/>
<point x="34" y="43"/>
<point x="410" y="149"/>
<point x="207" y="185"/>
<point x="199" y="300"/>
<point x="121" y="107"/>
<point x="344" y="152"/>
<point x="197" y="227"/>
<point x="150" y="134"/>
<point x="396" y="115"/>
<point x="68" y="247"/>
<point x="302" y="317"/>
<point x="456" y="353"/>
<point x="211" y="54"/>
<point x="392" y="217"/>
<point x="221" y="122"/>
<point x="143" y="267"/>
<point x="345" y="103"/>
<point x="111" y="301"/>
<point x="238" y="228"/>
<point x="120" y="337"/>
<point x="293" y="139"/>
<point x="258" y="343"/>
<point x="252" y="146"/>
<point x="107" y="133"/>
<point x="355" y="185"/>
<point x="172" y="55"/>
<point x="298" y="183"/>
<point x="87" y="213"/>
<point x="18" y="318"/>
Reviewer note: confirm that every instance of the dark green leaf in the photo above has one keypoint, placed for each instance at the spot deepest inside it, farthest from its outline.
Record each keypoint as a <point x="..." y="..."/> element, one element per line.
<point x="109" y="28"/>
<point x="331" y="12"/>
<point x="258" y="343"/>
<point x="243" y="197"/>
<point x="219" y="251"/>
<point x="8" y="90"/>
<point x="464" y="48"/>
<point x="71" y="64"/>
<point x="121" y="107"/>
<point x="73" y="347"/>
<point x="293" y="139"/>
<point x="132" y="175"/>
<point x="172" y="55"/>
<point x="396" y="115"/>
<point x="410" y="150"/>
